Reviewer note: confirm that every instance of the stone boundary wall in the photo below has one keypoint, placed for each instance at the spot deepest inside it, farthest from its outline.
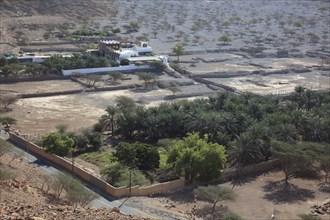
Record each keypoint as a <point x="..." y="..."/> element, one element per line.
<point x="84" y="175"/>
<point x="45" y="94"/>
<point x="100" y="70"/>
<point x="50" y="49"/>
<point x="241" y="171"/>
<point x="207" y="82"/>
<point x="32" y="78"/>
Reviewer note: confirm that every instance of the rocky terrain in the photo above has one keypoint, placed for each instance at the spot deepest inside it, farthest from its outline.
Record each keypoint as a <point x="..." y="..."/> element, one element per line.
<point x="54" y="7"/>
<point x="26" y="195"/>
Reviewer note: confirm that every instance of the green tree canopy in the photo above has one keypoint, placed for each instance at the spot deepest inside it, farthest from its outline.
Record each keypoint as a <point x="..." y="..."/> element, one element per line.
<point x="140" y="155"/>
<point x="58" y="144"/>
<point x="197" y="158"/>
<point x="146" y="77"/>
<point x="292" y="158"/>
<point x="178" y="49"/>
<point x="116" y="76"/>
<point x="157" y="65"/>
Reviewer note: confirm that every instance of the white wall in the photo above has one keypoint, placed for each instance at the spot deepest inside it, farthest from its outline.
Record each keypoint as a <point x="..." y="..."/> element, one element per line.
<point x="130" y="67"/>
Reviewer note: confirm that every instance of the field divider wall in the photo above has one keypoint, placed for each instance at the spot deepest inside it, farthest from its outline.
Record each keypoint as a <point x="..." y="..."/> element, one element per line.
<point x="159" y="188"/>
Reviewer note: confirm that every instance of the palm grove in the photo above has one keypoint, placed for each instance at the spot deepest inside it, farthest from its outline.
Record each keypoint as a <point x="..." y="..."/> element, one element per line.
<point x="227" y="129"/>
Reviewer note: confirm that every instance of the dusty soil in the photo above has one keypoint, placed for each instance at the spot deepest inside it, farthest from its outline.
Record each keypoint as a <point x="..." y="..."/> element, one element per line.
<point x="257" y="198"/>
<point x="38" y="116"/>
<point x="24" y="197"/>
<point x="39" y="87"/>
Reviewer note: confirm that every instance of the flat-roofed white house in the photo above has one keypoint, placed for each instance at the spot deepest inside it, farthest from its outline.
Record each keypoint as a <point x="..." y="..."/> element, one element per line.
<point x="123" y="49"/>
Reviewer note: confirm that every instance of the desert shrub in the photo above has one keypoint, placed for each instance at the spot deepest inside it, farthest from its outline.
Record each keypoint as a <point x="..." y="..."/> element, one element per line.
<point x="76" y="193"/>
<point x="7" y="100"/>
<point x="231" y="216"/>
<point x="5" y="174"/>
<point x="118" y="175"/>
<point x="112" y="172"/>
<point x="4" y="147"/>
<point x="137" y="178"/>
<point x="309" y="217"/>
<point x="79" y="195"/>
<point x="124" y="62"/>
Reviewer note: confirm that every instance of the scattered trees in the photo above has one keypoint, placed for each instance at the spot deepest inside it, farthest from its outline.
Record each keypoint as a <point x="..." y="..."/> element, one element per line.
<point x="225" y="39"/>
<point x="291" y="157"/>
<point x="116" y="76"/>
<point x="178" y="50"/>
<point x="214" y="194"/>
<point x="148" y="78"/>
<point x="174" y="89"/>
<point x="93" y="79"/>
<point x="7" y="100"/>
<point x="76" y="193"/>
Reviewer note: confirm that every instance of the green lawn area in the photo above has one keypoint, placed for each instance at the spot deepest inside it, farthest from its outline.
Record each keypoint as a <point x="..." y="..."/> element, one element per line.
<point x="99" y="158"/>
<point x="163" y="158"/>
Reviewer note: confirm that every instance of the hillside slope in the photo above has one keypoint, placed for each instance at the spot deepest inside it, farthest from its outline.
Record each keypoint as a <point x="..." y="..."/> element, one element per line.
<point x="86" y="8"/>
<point x="27" y="193"/>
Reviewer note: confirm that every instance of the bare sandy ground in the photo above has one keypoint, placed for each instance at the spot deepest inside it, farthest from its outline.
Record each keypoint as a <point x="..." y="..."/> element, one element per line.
<point x="257" y="198"/>
<point x="39" y="116"/>
<point x="39" y="87"/>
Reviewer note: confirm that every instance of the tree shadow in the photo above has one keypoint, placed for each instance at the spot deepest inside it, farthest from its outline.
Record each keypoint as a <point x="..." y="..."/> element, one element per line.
<point x="185" y="195"/>
<point x="324" y="187"/>
<point x="243" y="180"/>
<point x="279" y="192"/>
<point x="205" y="212"/>
<point x="142" y="90"/>
<point x="6" y="110"/>
<point x="38" y="162"/>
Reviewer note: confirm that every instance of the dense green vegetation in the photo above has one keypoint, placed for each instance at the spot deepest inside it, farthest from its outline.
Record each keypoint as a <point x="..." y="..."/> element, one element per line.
<point x="53" y="65"/>
<point x="197" y="139"/>
<point x="142" y="156"/>
<point x="65" y="143"/>
<point x="228" y="129"/>
<point x="230" y="119"/>
<point x="196" y="158"/>
<point x="56" y="63"/>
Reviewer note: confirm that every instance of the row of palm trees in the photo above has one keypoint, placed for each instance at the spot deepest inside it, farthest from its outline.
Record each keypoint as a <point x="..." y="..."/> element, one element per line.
<point x="245" y="124"/>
